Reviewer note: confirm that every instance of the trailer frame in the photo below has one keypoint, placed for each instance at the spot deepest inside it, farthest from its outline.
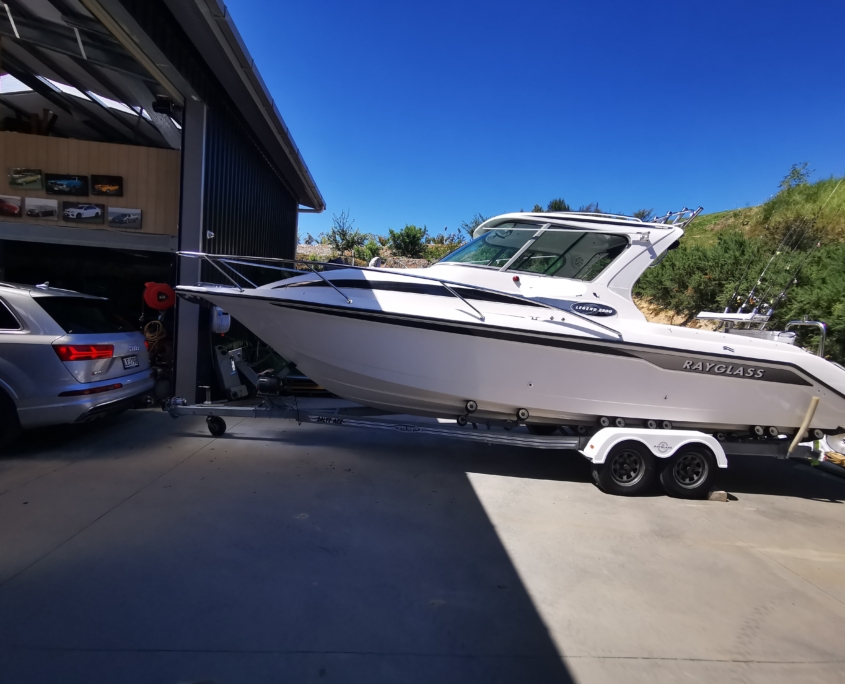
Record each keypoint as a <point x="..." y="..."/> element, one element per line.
<point x="670" y="454"/>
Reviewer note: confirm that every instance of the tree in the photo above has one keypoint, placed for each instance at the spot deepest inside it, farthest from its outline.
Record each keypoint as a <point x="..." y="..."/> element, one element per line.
<point x="798" y="175"/>
<point x="310" y="240"/>
<point x="438" y="246"/>
<point x="408" y="242"/>
<point x="343" y="237"/>
<point x="643" y="214"/>
<point x="469" y="227"/>
<point x="558" y="204"/>
<point x="591" y="208"/>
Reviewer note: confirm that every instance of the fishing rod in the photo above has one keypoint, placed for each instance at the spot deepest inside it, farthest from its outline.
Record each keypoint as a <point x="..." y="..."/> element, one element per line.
<point x="763" y="274"/>
<point x="739" y="281"/>
<point x="795" y="250"/>
<point x="793" y="280"/>
<point x="779" y="255"/>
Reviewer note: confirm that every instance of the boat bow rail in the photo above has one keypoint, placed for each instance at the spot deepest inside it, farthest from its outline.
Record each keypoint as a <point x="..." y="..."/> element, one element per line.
<point x="229" y="262"/>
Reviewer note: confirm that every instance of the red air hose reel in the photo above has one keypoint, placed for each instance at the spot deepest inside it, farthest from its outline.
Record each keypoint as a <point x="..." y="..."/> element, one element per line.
<point x="159" y="296"/>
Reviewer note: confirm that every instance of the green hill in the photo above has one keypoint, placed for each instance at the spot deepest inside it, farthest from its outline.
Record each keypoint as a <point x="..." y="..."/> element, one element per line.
<point x="821" y="199"/>
<point x="799" y="233"/>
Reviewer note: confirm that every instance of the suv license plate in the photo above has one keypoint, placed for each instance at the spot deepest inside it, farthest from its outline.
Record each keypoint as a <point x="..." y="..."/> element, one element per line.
<point x="130" y="361"/>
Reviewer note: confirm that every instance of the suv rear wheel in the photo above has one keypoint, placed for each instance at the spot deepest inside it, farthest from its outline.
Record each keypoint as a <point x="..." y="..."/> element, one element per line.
<point x="10" y="426"/>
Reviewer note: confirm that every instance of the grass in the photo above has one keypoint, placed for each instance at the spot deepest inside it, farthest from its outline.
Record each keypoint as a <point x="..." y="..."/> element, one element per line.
<point x="802" y="202"/>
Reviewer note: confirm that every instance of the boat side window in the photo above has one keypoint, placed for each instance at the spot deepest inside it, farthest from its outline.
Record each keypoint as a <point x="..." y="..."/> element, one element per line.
<point x="574" y="254"/>
<point x="494" y="248"/>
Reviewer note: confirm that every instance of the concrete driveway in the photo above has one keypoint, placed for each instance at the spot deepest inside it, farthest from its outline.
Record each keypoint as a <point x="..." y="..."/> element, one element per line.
<point x="143" y="550"/>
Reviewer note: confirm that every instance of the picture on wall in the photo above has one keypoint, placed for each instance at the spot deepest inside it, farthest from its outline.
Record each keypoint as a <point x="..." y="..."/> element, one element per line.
<point x="10" y="206"/>
<point x="27" y="179"/>
<point x="125" y="218"/>
<point x="66" y="184"/>
<point x="107" y="185"/>
<point x="41" y="207"/>
<point x="82" y="212"/>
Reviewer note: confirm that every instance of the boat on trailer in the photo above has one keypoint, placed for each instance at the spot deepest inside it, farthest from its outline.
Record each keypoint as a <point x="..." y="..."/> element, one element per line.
<point x="532" y="321"/>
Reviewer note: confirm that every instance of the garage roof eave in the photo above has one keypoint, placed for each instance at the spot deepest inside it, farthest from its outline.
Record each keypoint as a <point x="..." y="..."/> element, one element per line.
<point x="221" y="45"/>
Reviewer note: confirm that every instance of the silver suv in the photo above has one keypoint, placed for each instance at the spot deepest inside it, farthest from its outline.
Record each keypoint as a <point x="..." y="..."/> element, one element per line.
<point x="65" y="357"/>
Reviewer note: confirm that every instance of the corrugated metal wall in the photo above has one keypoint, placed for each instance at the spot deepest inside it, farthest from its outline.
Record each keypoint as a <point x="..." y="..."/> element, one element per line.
<point x="247" y="206"/>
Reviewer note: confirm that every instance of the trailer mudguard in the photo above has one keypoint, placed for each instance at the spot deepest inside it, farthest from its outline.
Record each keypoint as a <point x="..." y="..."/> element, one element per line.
<point x="662" y="443"/>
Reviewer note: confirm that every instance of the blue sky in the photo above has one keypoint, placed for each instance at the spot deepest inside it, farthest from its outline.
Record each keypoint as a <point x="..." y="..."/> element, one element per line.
<point x="427" y="113"/>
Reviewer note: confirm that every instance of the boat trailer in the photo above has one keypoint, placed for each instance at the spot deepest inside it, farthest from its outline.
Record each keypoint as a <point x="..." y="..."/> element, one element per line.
<point x="624" y="460"/>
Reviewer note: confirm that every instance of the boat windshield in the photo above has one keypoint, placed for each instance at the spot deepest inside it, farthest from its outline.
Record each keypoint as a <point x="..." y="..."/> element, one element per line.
<point x="574" y="254"/>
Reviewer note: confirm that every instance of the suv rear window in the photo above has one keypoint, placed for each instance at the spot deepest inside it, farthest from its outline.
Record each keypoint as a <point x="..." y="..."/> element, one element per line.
<point x="83" y="316"/>
<point x="7" y="318"/>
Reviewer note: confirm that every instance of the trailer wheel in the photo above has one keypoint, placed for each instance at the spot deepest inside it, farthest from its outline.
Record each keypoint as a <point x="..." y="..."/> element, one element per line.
<point x="216" y="425"/>
<point x="689" y="473"/>
<point x="628" y="470"/>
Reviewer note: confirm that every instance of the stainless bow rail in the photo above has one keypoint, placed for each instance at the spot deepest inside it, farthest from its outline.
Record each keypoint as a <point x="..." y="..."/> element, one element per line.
<point x="229" y="261"/>
<point x="677" y="218"/>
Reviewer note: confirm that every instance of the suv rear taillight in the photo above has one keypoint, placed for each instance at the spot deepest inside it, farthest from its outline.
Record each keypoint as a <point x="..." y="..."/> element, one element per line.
<point x="84" y="352"/>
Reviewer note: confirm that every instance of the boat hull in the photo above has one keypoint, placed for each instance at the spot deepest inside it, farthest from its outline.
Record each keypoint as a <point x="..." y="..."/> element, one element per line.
<point x="426" y="366"/>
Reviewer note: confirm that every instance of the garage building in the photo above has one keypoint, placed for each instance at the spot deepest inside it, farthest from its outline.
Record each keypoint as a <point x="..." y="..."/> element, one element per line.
<point x="130" y="129"/>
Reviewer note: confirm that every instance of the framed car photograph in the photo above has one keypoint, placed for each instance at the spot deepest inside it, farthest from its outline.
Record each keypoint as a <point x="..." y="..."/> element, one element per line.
<point x="83" y="212"/>
<point x="41" y="207"/>
<point x="66" y="184"/>
<point x="124" y="218"/>
<point x="107" y="185"/>
<point x="26" y="179"/>
<point x="10" y="206"/>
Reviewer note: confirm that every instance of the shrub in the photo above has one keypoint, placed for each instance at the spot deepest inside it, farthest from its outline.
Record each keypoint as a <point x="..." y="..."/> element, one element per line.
<point x="408" y="242"/>
<point x="819" y="294"/>
<point x="370" y="250"/>
<point x="693" y="279"/>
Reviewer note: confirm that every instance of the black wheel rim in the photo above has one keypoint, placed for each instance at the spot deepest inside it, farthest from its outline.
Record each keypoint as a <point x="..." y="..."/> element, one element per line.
<point x="690" y="470"/>
<point x="627" y="467"/>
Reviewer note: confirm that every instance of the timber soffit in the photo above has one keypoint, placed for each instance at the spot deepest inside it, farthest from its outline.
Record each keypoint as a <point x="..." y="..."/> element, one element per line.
<point x="215" y="37"/>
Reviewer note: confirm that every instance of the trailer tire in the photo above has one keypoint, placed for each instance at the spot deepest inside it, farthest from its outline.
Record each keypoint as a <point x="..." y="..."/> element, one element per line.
<point x="689" y="474"/>
<point x="628" y="470"/>
<point x="216" y="425"/>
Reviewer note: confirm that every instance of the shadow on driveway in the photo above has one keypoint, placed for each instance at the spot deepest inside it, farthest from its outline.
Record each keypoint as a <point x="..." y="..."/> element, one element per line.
<point x="308" y="554"/>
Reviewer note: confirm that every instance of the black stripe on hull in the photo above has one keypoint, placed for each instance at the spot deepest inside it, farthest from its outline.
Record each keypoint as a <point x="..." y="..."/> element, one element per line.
<point x="416" y="288"/>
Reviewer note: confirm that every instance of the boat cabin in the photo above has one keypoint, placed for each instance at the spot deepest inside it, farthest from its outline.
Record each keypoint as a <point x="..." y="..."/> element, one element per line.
<point x="566" y="256"/>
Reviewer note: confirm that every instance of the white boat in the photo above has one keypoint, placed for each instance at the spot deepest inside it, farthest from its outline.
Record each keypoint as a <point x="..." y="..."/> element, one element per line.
<point x="532" y="321"/>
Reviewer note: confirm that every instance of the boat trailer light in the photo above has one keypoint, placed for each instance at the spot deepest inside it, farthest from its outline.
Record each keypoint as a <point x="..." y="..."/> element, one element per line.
<point x="84" y="352"/>
<point x="91" y="390"/>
